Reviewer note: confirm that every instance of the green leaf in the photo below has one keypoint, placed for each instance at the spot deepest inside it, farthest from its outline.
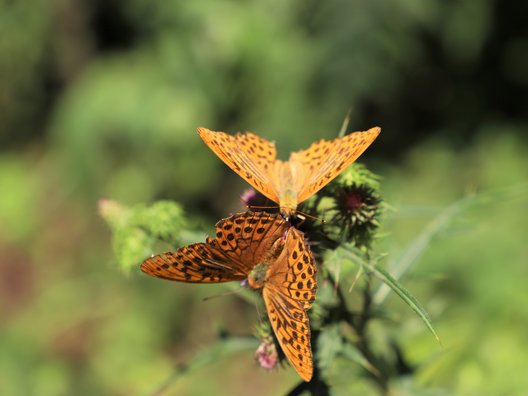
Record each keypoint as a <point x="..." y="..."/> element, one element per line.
<point x="405" y="295"/>
<point x="345" y="124"/>
<point x="350" y="352"/>
<point x="341" y="266"/>
<point x="422" y="241"/>
<point x="329" y="344"/>
<point x="355" y="254"/>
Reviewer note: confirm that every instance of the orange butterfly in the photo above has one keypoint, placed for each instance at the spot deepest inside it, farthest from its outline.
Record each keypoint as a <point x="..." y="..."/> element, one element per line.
<point x="272" y="256"/>
<point x="287" y="182"/>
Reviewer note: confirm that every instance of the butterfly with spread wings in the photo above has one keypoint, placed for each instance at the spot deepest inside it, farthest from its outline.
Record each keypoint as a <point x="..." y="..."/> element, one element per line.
<point x="273" y="256"/>
<point x="287" y="182"/>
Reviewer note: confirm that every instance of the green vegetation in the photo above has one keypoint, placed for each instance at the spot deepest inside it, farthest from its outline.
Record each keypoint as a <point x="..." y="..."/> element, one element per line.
<point x="101" y="101"/>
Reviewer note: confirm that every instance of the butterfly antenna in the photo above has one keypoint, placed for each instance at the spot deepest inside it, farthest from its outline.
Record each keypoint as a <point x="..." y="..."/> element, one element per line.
<point x="229" y="293"/>
<point x="261" y="207"/>
<point x="310" y="216"/>
<point x="346" y="122"/>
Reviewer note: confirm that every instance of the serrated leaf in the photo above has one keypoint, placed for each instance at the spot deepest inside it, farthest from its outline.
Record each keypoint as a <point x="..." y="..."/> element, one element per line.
<point x="339" y="265"/>
<point x="417" y="247"/>
<point x="354" y="254"/>
<point x="405" y="295"/>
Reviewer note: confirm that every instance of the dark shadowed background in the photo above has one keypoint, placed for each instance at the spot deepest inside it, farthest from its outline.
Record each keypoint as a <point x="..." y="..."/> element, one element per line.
<point x="101" y="99"/>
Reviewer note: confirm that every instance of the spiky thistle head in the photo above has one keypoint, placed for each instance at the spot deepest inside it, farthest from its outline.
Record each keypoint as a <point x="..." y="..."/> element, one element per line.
<point x="351" y="206"/>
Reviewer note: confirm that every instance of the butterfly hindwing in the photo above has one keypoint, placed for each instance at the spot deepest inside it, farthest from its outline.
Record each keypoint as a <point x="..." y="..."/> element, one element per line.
<point x="248" y="155"/>
<point x="301" y="279"/>
<point x="240" y="242"/>
<point x="289" y="292"/>
<point x="246" y="237"/>
<point x="196" y="263"/>
<point x="291" y="326"/>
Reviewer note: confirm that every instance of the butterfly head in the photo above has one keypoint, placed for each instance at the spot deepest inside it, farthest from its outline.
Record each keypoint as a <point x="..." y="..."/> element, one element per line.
<point x="257" y="276"/>
<point x="287" y="212"/>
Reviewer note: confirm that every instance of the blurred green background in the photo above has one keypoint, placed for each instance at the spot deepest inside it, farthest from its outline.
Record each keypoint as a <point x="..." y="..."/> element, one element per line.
<point x="101" y="99"/>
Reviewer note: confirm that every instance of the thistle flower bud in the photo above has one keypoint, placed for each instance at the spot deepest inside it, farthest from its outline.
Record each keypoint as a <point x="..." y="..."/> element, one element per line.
<point x="357" y="208"/>
<point x="356" y="205"/>
<point x="350" y="206"/>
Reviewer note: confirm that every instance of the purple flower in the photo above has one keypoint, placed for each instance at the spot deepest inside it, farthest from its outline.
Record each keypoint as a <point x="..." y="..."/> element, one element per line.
<point x="256" y="201"/>
<point x="352" y="200"/>
<point x="248" y="196"/>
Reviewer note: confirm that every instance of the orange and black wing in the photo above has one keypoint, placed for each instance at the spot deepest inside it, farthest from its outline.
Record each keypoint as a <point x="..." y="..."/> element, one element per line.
<point x="325" y="160"/>
<point x="250" y="156"/>
<point x="288" y="293"/>
<point x="240" y="242"/>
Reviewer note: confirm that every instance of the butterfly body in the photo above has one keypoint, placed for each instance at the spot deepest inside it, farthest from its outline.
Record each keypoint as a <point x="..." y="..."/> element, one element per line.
<point x="286" y="186"/>
<point x="257" y="277"/>
<point x="273" y="256"/>
<point x="293" y="181"/>
<point x="260" y="272"/>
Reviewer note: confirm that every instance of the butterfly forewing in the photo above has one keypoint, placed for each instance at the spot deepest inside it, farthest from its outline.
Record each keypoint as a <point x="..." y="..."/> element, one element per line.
<point x="248" y="155"/>
<point x="325" y="160"/>
<point x="291" y="182"/>
<point x="240" y="242"/>
<point x="289" y="292"/>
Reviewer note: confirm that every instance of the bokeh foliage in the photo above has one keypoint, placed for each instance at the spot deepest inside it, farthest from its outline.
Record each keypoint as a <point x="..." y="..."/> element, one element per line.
<point x="100" y="100"/>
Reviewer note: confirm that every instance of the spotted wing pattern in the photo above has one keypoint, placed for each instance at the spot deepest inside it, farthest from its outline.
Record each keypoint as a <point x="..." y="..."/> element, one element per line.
<point x="324" y="160"/>
<point x="240" y="243"/>
<point x="248" y="155"/>
<point x="288" y="293"/>
<point x="247" y="237"/>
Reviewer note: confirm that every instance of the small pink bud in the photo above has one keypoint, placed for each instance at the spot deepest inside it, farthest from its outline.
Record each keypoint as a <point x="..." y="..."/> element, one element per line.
<point x="266" y="354"/>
